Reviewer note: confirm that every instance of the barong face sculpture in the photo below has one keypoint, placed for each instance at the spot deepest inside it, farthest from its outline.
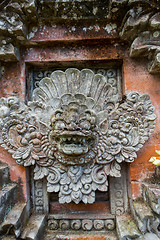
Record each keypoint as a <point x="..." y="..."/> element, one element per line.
<point x="75" y="132"/>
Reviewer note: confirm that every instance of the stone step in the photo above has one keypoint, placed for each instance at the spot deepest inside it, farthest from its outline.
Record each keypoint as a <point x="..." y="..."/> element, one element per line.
<point x="8" y="197"/>
<point x="143" y="216"/>
<point x="4" y="175"/>
<point x="126" y="227"/>
<point x="80" y="235"/>
<point x="15" y="220"/>
<point x="151" y="194"/>
<point x="34" y="229"/>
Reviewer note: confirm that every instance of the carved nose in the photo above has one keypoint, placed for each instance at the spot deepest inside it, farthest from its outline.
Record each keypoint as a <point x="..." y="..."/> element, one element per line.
<point x="72" y="126"/>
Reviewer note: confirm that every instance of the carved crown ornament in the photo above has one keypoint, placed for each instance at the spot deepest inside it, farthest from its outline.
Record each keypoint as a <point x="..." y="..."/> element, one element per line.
<point x="138" y="23"/>
<point x="75" y="132"/>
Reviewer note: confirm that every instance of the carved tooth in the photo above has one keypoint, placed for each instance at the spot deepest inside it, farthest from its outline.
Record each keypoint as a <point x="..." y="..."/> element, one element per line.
<point x="99" y="153"/>
<point x="104" y="145"/>
<point x="69" y="138"/>
<point x="102" y="149"/>
<point x="84" y="140"/>
<point x="45" y="148"/>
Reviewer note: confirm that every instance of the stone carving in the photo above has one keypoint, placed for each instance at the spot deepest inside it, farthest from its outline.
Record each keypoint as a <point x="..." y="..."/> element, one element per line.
<point x="112" y="77"/>
<point x="141" y="28"/>
<point x="39" y="198"/>
<point x="14" y="19"/>
<point x="72" y="10"/>
<point x="139" y="22"/>
<point x="84" y="224"/>
<point x="75" y="132"/>
<point x="118" y="193"/>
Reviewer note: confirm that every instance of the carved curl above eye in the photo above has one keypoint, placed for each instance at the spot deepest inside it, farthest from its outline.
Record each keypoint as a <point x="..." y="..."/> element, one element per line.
<point x="76" y="132"/>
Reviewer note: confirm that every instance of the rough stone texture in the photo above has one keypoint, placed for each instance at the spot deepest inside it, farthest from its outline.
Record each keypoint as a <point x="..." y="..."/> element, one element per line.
<point x="148" y="236"/>
<point x="126" y="228"/>
<point x="4" y="175"/>
<point x="34" y="229"/>
<point x="9" y="53"/>
<point x="79" y="137"/>
<point x="143" y="216"/>
<point x="71" y="235"/>
<point x="7" y="199"/>
<point x="81" y="222"/>
<point x="156" y="226"/>
<point x="151" y="194"/>
<point x="15" y="220"/>
<point x="135" y="75"/>
<point x="141" y="28"/>
<point x="139" y="21"/>
<point x="8" y="238"/>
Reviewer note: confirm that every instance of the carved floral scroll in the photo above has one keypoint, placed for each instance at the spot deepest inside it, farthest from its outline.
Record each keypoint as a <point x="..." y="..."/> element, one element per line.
<point x="75" y="132"/>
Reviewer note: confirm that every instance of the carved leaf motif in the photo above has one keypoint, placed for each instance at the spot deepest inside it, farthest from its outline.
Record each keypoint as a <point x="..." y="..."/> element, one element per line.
<point x="40" y="172"/>
<point x="115" y="169"/>
<point x="22" y="152"/>
<point x="75" y="132"/>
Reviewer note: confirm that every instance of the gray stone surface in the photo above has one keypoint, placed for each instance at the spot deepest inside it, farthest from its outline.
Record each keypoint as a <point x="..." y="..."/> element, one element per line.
<point x="71" y="235"/>
<point x="149" y="236"/>
<point x="4" y="175"/>
<point x="142" y="210"/>
<point x="8" y="238"/>
<point x="8" y="197"/>
<point x="126" y="228"/>
<point x="151" y="194"/>
<point x="15" y="220"/>
<point x="34" y="229"/>
<point x="139" y="28"/>
<point x="66" y="131"/>
<point x="143" y="216"/>
<point x="156" y="226"/>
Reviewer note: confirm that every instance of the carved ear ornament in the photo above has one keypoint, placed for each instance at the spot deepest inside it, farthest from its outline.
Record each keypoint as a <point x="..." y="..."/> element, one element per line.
<point x="75" y="132"/>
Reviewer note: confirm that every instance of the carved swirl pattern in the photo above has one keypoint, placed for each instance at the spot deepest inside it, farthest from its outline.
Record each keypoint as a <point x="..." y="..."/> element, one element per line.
<point x="76" y="132"/>
<point x="39" y="203"/>
<point x="82" y="224"/>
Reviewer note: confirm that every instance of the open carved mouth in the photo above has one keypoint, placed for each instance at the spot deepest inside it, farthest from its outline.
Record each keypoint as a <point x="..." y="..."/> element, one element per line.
<point x="73" y="144"/>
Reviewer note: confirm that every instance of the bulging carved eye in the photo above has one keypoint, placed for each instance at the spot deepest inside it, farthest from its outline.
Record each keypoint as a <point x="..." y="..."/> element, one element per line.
<point x="4" y="111"/>
<point x="85" y="125"/>
<point x="59" y="125"/>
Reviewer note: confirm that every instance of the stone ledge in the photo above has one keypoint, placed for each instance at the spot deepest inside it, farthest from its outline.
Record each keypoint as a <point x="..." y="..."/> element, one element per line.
<point x="126" y="227"/>
<point x="151" y="194"/>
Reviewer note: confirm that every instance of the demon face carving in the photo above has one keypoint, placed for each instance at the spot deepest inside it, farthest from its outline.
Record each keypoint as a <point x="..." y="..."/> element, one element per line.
<point x="76" y="132"/>
<point x="73" y="131"/>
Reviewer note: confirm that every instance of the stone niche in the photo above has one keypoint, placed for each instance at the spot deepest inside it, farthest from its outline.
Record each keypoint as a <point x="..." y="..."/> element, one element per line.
<point x="76" y="133"/>
<point x="85" y="187"/>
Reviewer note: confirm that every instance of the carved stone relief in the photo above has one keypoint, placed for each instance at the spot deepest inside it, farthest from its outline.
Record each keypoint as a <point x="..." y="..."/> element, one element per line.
<point x="141" y="28"/>
<point x="81" y="224"/>
<point x="119" y="193"/>
<point x="40" y="196"/>
<point x="138" y="21"/>
<point x="76" y="132"/>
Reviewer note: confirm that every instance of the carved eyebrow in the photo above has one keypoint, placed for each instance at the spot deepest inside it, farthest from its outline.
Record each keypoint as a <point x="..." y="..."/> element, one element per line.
<point x="58" y="111"/>
<point x="90" y="111"/>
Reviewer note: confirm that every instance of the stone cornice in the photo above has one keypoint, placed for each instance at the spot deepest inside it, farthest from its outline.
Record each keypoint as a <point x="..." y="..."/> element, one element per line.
<point x="138" y="21"/>
<point x="141" y="28"/>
